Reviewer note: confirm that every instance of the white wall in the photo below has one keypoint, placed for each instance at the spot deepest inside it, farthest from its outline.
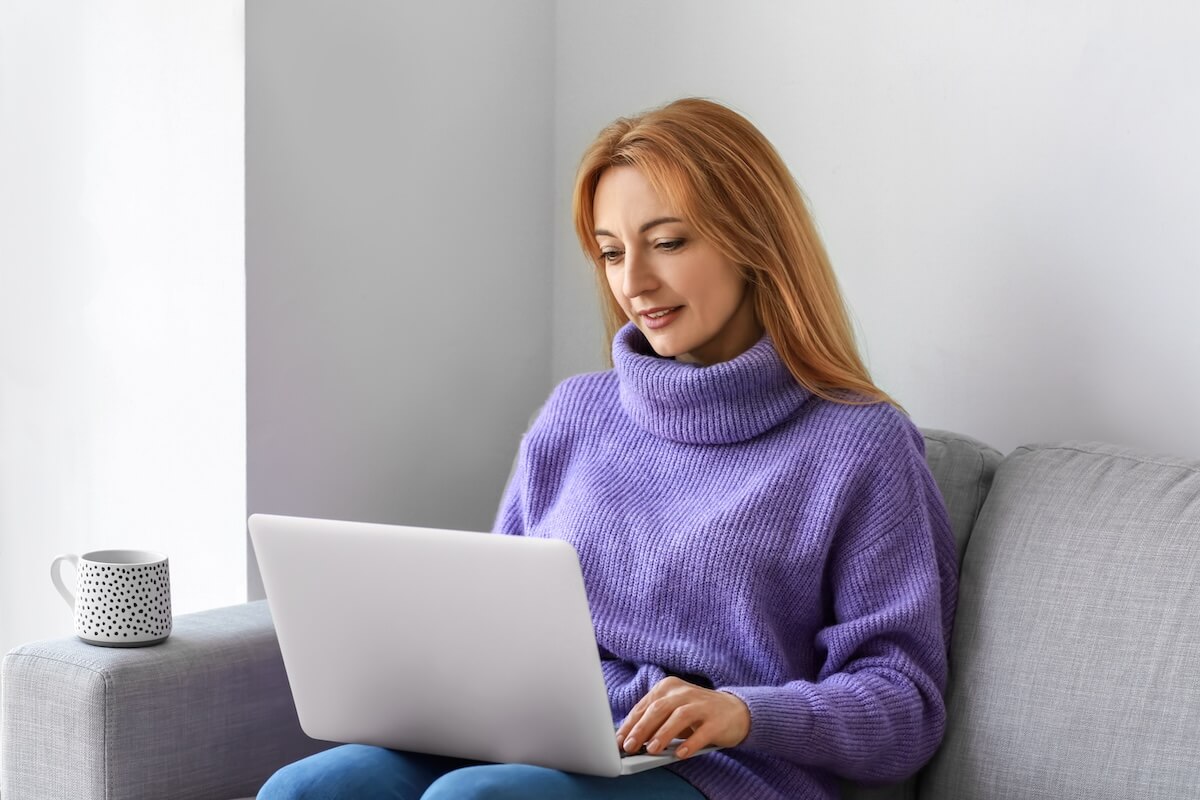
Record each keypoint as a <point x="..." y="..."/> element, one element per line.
<point x="122" y="416"/>
<point x="1008" y="191"/>
<point x="399" y="250"/>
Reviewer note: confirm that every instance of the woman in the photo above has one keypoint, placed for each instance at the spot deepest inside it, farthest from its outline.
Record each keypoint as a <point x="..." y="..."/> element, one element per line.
<point x="767" y="558"/>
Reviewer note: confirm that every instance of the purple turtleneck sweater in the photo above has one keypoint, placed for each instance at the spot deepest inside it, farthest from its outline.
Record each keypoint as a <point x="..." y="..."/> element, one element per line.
<point x="742" y="533"/>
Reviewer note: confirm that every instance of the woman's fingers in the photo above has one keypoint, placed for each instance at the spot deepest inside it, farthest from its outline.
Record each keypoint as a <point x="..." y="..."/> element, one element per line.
<point x="675" y="709"/>
<point x="648" y="714"/>
<point x="645" y="729"/>
<point x="694" y="741"/>
<point x="678" y="725"/>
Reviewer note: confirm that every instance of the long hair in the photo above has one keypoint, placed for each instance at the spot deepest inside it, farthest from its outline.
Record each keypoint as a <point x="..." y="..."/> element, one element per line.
<point x="721" y="174"/>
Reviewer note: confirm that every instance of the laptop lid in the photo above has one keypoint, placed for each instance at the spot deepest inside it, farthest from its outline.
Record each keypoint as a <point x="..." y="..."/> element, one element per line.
<point x="456" y="643"/>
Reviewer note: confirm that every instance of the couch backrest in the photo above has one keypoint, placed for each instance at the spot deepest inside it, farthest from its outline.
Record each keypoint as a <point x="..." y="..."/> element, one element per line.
<point x="963" y="468"/>
<point x="1075" y="664"/>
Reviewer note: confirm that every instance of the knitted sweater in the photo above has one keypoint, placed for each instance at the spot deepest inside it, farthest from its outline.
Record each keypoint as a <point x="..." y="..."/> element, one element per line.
<point x="742" y="533"/>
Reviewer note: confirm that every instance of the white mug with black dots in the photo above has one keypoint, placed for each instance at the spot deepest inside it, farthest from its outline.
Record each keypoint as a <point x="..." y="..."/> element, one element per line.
<point x="123" y="597"/>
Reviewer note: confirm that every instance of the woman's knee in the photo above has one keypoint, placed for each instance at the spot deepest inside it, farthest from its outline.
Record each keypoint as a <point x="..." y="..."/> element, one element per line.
<point x="348" y="771"/>
<point x="525" y="782"/>
<point x="499" y="782"/>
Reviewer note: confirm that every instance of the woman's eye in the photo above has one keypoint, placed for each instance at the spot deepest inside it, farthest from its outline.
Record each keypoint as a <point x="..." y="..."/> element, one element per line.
<point x="609" y="256"/>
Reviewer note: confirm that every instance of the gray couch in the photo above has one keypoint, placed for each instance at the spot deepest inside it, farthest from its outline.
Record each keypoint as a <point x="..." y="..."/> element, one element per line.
<point x="1075" y="665"/>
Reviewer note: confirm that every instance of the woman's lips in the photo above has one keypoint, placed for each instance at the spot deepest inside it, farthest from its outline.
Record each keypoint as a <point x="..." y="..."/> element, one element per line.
<point x="654" y="323"/>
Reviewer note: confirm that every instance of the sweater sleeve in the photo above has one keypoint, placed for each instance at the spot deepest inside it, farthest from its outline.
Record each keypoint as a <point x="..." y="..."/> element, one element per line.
<point x="538" y="441"/>
<point x="509" y="517"/>
<point x="876" y="711"/>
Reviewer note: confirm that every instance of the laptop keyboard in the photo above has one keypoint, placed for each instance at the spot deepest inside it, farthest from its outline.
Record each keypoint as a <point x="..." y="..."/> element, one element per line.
<point x="668" y="750"/>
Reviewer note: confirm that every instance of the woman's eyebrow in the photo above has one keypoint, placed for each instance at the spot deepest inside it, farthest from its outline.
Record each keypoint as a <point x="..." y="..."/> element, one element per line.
<point x="643" y="229"/>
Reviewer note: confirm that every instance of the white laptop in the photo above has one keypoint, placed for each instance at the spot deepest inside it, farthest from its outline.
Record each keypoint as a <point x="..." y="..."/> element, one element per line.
<point x="454" y="643"/>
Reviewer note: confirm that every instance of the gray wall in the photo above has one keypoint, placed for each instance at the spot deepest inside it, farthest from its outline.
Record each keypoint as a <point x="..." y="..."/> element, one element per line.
<point x="398" y="255"/>
<point x="1008" y="194"/>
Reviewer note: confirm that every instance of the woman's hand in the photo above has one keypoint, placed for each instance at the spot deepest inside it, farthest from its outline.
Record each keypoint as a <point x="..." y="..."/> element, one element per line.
<point x="675" y="708"/>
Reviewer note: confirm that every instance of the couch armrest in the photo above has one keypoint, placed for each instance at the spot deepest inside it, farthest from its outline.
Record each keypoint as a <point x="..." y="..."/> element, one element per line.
<point x="206" y="714"/>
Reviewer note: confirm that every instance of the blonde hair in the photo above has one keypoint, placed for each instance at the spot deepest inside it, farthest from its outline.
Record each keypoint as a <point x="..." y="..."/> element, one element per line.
<point x="722" y="175"/>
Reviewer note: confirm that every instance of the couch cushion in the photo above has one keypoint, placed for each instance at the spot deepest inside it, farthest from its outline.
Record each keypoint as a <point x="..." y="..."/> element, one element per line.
<point x="1074" y="665"/>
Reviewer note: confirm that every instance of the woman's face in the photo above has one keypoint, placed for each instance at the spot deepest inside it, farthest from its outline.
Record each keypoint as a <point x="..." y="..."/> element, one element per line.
<point x="655" y="262"/>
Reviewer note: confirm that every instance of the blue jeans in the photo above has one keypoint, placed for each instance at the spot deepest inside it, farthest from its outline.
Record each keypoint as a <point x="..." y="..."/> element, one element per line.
<point x="363" y="772"/>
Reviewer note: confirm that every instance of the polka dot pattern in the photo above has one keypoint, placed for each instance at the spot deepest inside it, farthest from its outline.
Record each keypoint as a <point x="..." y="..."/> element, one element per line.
<point x="123" y="604"/>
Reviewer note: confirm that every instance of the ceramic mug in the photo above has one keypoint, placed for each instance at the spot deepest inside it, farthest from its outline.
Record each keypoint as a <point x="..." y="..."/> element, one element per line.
<point x="124" y="596"/>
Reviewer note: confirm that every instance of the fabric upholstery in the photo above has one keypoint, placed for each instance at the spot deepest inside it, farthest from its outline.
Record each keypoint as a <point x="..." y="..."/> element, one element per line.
<point x="963" y="468"/>
<point x="1074" y="665"/>
<point x="206" y="714"/>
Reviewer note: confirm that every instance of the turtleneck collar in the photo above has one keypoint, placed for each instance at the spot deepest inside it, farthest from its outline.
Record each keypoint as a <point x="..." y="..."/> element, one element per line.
<point x="722" y="403"/>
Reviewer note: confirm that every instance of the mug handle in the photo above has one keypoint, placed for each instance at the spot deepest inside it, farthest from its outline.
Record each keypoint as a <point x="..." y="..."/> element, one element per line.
<point x="56" y="577"/>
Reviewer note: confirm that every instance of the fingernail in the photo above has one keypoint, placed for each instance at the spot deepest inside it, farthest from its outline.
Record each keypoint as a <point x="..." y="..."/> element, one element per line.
<point x="654" y="745"/>
<point x="682" y="752"/>
<point x="629" y="745"/>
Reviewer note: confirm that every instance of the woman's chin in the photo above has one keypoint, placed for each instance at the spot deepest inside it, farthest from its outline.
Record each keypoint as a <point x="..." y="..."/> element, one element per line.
<point x="660" y="343"/>
<point x="663" y="347"/>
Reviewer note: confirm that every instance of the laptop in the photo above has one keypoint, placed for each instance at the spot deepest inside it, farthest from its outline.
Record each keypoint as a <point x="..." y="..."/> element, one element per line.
<point x="454" y="643"/>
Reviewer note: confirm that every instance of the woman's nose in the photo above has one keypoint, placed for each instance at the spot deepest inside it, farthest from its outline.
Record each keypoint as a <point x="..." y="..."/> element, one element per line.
<point x="638" y="277"/>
